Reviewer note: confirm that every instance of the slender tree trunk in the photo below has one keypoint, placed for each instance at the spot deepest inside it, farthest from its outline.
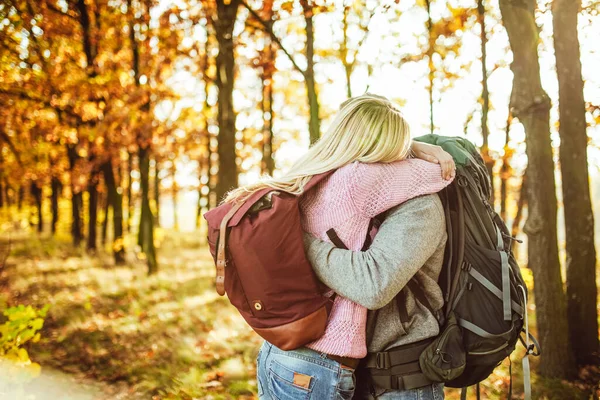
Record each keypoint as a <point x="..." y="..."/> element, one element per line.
<point x="1" y="193"/>
<point x="129" y="191"/>
<point x="485" y="97"/>
<point x="92" y="214"/>
<point x="268" y="61"/>
<point x="174" y="193"/>
<point x="157" y="192"/>
<point x="505" y="170"/>
<point x="36" y="192"/>
<point x="344" y="52"/>
<point x="309" y="75"/>
<point x="20" y="196"/>
<point x="76" y="198"/>
<point x="116" y="202"/>
<point x="582" y="292"/>
<point x="105" y="220"/>
<point x="92" y="190"/>
<point x="146" y="219"/>
<point x="531" y="105"/>
<point x="431" y="71"/>
<point x="56" y="186"/>
<point x="228" y="172"/>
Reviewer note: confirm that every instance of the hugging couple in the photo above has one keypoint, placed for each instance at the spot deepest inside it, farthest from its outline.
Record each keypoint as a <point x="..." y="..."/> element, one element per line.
<point x="378" y="172"/>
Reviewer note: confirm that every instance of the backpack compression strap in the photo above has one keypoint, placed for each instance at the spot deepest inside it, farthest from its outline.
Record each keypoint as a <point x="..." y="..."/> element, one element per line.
<point x="221" y="257"/>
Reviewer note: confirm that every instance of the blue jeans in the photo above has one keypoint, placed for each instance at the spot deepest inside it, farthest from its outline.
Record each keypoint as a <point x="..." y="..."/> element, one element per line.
<point x="431" y="392"/>
<point x="301" y="374"/>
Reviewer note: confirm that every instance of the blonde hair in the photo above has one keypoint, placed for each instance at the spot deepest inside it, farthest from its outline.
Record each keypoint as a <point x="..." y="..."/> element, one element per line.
<point x="367" y="128"/>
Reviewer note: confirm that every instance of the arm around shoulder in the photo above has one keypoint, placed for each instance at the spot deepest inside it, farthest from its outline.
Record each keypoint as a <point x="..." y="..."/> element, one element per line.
<point x="407" y="238"/>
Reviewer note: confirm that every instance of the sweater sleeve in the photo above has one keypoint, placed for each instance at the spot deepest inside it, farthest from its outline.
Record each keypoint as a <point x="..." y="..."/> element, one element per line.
<point x="408" y="237"/>
<point x="378" y="187"/>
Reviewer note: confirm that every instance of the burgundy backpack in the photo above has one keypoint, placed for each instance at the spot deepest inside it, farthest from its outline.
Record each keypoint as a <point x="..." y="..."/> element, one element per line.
<point x="259" y="253"/>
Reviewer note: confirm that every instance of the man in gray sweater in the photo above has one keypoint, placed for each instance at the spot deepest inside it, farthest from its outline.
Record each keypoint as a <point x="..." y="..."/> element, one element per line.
<point x="410" y="243"/>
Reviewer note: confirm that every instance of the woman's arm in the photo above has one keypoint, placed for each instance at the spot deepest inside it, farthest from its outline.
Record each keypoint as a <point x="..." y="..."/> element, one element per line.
<point x="436" y="155"/>
<point x="377" y="187"/>
<point x="408" y="237"/>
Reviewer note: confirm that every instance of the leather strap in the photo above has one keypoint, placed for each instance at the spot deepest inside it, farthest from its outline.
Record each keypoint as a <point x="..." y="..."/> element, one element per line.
<point x="345" y="361"/>
<point x="221" y="257"/>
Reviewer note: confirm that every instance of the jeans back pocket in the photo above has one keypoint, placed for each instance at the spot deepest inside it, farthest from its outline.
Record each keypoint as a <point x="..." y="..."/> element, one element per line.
<point x="286" y="384"/>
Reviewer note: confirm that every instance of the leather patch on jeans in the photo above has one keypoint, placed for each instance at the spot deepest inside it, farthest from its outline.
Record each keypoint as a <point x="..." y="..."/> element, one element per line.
<point x="302" y="380"/>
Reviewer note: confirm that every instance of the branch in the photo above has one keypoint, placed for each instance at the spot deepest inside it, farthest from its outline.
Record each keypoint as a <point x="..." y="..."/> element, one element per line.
<point x="47" y="103"/>
<point x="268" y="28"/>
<point x="56" y="10"/>
<point x="4" y="137"/>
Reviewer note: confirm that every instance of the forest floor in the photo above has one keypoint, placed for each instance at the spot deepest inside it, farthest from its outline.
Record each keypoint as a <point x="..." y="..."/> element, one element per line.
<point x="112" y="332"/>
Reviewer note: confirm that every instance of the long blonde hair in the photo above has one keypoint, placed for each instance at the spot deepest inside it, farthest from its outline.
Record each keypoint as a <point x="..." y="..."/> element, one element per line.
<point x="367" y="128"/>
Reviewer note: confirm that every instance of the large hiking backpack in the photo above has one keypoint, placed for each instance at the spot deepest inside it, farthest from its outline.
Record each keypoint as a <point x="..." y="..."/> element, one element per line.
<point x="261" y="264"/>
<point x="485" y="295"/>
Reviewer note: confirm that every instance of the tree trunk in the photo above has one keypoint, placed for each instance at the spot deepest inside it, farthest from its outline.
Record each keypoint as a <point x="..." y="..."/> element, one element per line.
<point x="485" y="97"/>
<point x="228" y="171"/>
<point x="431" y="71"/>
<point x="344" y="52"/>
<point x="309" y="75"/>
<point x="582" y="292"/>
<point x="157" y="192"/>
<point x="105" y="220"/>
<point x="36" y="192"/>
<point x="56" y="186"/>
<point x="20" y="196"/>
<point x="505" y="170"/>
<point x="175" y="191"/>
<point x="92" y="189"/>
<point x="268" y="61"/>
<point x="76" y="197"/>
<point x="129" y="191"/>
<point x="146" y="236"/>
<point x="531" y="105"/>
<point x="116" y="202"/>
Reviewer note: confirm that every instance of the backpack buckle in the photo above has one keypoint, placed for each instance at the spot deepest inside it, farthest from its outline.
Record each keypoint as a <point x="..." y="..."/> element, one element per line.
<point x="382" y="361"/>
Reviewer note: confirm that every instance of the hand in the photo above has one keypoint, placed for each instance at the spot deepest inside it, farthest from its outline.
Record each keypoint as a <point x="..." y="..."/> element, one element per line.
<point x="437" y="155"/>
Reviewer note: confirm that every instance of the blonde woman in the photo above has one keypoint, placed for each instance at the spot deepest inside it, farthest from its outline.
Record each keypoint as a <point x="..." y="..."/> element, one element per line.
<point x="367" y="146"/>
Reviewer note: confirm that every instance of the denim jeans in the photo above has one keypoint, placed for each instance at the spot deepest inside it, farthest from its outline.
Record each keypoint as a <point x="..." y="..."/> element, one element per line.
<point x="301" y="374"/>
<point x="431" y="392"/>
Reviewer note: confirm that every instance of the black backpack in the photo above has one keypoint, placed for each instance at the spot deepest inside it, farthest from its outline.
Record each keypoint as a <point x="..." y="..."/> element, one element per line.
<point x="485" y="295"/>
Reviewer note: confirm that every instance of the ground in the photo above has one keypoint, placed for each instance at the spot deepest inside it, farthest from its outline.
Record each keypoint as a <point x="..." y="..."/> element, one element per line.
<point x="112" y="332"/>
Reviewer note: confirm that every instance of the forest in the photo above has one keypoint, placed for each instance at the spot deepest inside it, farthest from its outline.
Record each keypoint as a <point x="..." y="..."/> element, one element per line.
<point x="123" y="121"/>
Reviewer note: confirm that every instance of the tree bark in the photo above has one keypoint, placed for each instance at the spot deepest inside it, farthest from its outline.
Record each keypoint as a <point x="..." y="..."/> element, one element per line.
<point x="228" y="171"/>
<point x="309" y="75"/>
<point x="485" y="97"/>
<point x="157" y="192"/>
<point x="56" y="186"/>
<point x="268" y="62"/>
<point x="129" y="191"/>
<point x="105" y="220"/>
<point x="116" y="202"/>
<point x="175" y="191"/>
<point x="76" y="197"/>
<point x="431" y="70"/>
<point x="92" y="190"/>
<point x="36" y="192"/>
<point x="582" y="292"/>
<point x="505" y="170"/>
<point x="531" y="105"/>
<point x="146" y="236"/>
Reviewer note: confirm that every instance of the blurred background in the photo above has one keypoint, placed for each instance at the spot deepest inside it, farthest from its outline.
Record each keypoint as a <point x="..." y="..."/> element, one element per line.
<point x="123" y="121"/>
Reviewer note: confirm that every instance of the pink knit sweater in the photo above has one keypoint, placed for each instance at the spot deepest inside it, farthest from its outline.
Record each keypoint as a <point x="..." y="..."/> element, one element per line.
<point x="347" y="201"/>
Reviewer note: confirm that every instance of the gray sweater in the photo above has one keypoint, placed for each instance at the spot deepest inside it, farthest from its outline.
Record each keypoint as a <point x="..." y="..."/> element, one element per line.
<point x="410" y="242"/>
